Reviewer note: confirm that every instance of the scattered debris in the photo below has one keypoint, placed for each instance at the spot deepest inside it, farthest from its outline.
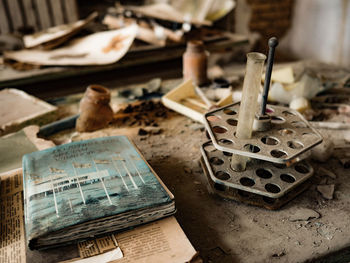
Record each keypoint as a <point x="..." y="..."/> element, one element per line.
<point x="142" y="92"/>
<point x="330" y="125"/>
<point x="300" y="104"/>
<point x="324" y="172"/>
<point x="284" y="75"/>
<point x="323" y="181"/>
<point x="215" y="72"/>
<point x="142" y="132"/>
<point x="279" y="254"/>
<point x="344" y="109"/>
<point x="142" y="113"/>
<point x="347" y="137"/>
<point x="187" y="170"/>
<point x="345" y="162"/>
<point x="317" y="243"/>
<point x="196" y="127"/>
<point x="307" y="86"/>
<point x="304" y="214"/>
<point x="153" y="130"/>
<point x="326" y="190"/>
<point x="323" y="151"/>
<point x="327" y="231"/>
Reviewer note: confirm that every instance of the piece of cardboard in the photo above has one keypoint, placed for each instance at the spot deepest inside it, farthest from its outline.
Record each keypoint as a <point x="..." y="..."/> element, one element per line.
<point x="19" y="109"/>
<point x="13" y="146"/>
<point x="183" y="99"/>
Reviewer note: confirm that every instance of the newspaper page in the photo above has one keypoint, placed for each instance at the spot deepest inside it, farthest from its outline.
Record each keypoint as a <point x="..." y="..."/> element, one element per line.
<point x="12" y="238"/>
<point x="160" y="241"/>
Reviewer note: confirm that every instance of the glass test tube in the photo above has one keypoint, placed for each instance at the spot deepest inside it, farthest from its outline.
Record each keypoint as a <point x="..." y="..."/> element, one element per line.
<point x="249" y="103"/>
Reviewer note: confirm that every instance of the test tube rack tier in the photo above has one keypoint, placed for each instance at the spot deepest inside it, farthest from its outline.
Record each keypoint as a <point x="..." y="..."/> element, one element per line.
<point x="277" y="170"/>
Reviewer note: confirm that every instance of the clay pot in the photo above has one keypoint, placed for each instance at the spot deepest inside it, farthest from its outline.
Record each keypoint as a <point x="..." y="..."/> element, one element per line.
<point x="94" y="108"/>
<point x="195" y="63"/>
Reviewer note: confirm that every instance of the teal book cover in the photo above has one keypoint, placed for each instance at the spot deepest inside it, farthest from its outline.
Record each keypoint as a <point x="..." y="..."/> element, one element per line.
<point x="80" y="183"/>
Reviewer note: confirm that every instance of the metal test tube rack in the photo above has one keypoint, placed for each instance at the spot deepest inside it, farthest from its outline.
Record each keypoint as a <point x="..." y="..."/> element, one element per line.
<point x="274" y="168"/>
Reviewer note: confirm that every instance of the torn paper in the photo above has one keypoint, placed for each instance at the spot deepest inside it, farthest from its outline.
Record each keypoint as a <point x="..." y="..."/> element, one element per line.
<point x="96" y="49"/>
<point x="160" y="241"/>
<point x="54" y="36"/>
<point x="12" y="238"/>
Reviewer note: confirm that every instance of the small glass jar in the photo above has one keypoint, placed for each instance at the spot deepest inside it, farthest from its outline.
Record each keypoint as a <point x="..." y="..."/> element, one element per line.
<point x="195" y="63"/>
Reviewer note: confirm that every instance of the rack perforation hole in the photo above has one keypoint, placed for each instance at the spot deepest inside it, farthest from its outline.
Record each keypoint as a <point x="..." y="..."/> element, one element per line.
<point x="232" y="122"/>
<point x="222" y="175"/>
<point x="269" y="140"/>
<point x="216" y="161"/>
<point x="299" y="124"/>
<point x="285" y="132"/>
<point x="213" y="118"/>
<point x="278" y="154"/>
<point x="225" y="141"/>
<point x="227" y="153"/>
<point x="251" y="148"/>
<point x="277" y="119"/>
<point x="295" y="144"/>
<point x="272" y="188"/>
<point x="230" y="112"/>
<point x="219" y="129"/>
<point x="245" y="181"/>
<point x="301" y="168"/>
<point x="288" y="113"/>
<point x="263" y="173"/>
<point x="219" y="187"/>
<point x="288" y="178"/>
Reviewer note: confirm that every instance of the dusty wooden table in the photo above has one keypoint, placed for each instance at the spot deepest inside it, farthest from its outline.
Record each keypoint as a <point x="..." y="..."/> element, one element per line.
<point x="228" y="231"/>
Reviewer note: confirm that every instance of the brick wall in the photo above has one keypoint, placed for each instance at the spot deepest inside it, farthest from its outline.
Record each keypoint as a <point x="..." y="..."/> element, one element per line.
<point x="270" y="18"/>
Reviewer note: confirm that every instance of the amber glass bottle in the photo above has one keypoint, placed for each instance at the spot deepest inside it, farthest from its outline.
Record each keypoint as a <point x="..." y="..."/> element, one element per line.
<point x="195" y="63"/>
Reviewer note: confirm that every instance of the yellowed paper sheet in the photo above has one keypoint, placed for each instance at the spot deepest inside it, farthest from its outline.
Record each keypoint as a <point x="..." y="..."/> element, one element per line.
<point x="100" y="48"/>
<point x="28" y="110"/>
<point x="58" y="33"/>
<point x="97" y="246"/>
<point x="100" y="258"/>
<point x="12" y="238"/>
<point x="160" y="241"/>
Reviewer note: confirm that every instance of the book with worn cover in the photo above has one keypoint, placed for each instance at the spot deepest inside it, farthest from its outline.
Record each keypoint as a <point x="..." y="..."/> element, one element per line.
<point x="84" y="189"/>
